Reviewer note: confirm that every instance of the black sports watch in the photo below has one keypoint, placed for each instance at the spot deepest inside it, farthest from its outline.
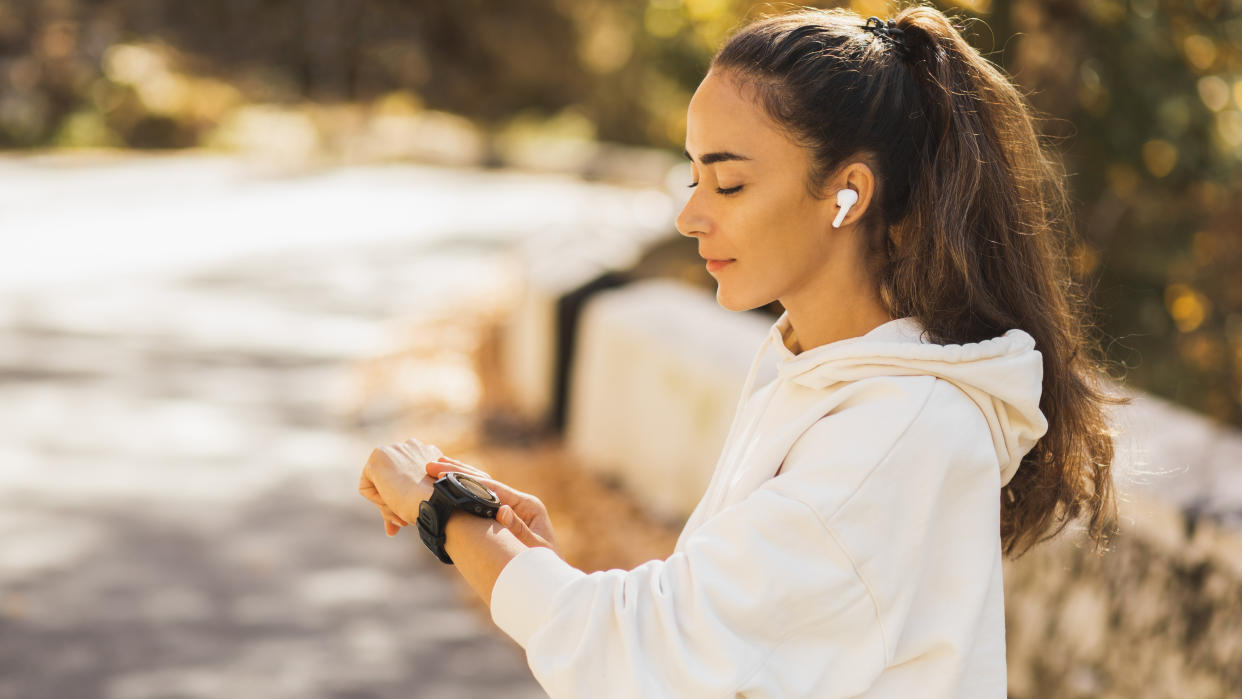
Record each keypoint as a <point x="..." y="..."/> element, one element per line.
<point x="454" y="491"/>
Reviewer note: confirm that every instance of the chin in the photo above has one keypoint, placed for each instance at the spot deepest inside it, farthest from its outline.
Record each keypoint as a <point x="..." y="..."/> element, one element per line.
<point x="734" y="302"/>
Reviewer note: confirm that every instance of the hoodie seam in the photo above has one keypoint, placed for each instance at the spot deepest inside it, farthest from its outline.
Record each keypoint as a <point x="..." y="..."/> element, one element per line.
<point x="862" y="579"/>
<point x="841" y="544"/>
<point x="793" y="630"/>
<point x="888" y="452"/>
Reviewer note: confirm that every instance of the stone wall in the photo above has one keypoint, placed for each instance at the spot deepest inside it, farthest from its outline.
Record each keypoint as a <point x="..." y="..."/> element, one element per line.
<point x="1158" y="615"/>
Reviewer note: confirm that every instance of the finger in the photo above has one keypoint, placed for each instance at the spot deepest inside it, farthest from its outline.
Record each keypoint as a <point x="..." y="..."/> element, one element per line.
<point x="392" y="523"/>
<point x="507" y="517"/>
<point x="437" y="469"/>
<point x="448" y="464"/>
<point x="475" y="469"/>
<point x="506" y="494"/>
<point x="367" y="489"/>
<point x="370" y="492"/>
<point x="390" y="516"/>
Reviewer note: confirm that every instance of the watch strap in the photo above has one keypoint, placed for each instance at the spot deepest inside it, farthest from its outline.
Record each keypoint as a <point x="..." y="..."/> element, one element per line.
<point x="433" y="515"/>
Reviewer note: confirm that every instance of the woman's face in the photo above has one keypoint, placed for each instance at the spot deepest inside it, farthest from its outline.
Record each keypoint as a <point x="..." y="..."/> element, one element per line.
<point x="751" y="204"/>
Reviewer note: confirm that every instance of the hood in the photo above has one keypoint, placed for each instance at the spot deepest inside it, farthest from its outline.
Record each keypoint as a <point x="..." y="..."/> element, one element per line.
<point x="1003" y="376"/>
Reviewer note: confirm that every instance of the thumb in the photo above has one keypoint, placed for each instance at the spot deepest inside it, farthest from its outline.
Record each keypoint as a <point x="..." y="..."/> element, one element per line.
<point x="506" y="516"/>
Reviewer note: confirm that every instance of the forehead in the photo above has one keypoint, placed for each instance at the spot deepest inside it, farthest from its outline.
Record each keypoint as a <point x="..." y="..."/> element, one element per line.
<point x="723" y="116"/>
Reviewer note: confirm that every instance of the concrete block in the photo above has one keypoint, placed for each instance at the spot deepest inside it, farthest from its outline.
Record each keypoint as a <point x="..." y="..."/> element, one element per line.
<point x="531" y="342"/>
<point x="654" y="384"/>
<point x="556" y="272"/>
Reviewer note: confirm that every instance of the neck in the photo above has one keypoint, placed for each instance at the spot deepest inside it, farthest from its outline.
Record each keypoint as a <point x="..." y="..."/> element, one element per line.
<point x="816" y="323"/>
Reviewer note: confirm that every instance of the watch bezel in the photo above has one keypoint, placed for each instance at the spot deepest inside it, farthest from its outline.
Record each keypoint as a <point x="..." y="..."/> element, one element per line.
<point x="463" y="499"/>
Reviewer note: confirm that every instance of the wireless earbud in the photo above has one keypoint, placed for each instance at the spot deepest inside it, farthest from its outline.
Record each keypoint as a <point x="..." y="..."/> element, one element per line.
<point x="845" y="199"/>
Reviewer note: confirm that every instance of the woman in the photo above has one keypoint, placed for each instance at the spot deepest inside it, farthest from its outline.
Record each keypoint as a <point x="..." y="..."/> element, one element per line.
<point x="935" y="406"/>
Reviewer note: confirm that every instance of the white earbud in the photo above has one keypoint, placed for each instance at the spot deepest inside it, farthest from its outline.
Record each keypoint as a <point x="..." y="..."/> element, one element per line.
<point x="845" y="199"/>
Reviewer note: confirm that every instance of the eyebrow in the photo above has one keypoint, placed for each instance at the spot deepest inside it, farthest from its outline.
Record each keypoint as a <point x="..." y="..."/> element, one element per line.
<point x="717" y="157"/>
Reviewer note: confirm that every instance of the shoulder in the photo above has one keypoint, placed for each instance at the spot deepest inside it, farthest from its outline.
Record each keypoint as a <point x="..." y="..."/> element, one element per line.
<point x="882" y="423"/>
<point x="868" y="416"/>
<point x="952" y="424"/>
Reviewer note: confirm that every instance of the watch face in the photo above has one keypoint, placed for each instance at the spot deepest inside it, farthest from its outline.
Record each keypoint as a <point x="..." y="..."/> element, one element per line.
<point x="475" y="488"/>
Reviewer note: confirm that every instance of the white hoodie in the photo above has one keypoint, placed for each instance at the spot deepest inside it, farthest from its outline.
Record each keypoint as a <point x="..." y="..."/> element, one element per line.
<point x="847" y="545"/>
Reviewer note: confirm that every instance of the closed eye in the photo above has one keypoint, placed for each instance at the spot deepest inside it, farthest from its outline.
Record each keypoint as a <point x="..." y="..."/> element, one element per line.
<point x="721" y="190"/>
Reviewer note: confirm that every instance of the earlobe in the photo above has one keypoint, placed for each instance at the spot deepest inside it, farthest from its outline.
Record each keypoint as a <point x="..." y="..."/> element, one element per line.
<point x="845" y="199"/>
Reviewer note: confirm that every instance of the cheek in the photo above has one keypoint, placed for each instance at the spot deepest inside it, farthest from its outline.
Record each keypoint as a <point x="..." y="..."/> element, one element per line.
<point x="784" y="226"/>
<point x="762" y="215"/>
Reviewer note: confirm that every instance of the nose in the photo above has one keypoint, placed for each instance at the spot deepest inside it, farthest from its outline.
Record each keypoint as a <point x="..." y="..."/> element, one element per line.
<point x="692" y="222"/>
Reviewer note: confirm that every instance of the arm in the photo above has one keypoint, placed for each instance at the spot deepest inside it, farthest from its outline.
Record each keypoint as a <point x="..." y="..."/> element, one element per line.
<point x="480" y="548"/>
<point x="705" y="622"/>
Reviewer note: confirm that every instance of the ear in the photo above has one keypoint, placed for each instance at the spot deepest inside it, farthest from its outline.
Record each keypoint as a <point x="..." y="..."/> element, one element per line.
<point x="857" y="175"/>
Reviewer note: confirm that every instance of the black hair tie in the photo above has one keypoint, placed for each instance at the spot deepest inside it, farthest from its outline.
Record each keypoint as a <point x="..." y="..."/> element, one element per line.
<point x="888" y="30"/>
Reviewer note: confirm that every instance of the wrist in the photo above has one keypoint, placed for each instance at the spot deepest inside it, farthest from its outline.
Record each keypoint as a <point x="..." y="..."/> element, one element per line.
<point x="464" y="530"/>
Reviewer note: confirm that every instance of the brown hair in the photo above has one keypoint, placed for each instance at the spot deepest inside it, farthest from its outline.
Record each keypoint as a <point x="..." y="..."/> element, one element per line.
<point x="971" y="228"/>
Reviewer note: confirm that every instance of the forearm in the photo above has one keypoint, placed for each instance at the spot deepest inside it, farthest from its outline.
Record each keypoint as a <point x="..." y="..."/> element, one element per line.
<point x="480" y="548"/>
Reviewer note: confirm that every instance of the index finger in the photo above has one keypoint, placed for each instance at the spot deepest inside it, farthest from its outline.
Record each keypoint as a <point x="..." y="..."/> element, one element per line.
<point x="447" y="464"/>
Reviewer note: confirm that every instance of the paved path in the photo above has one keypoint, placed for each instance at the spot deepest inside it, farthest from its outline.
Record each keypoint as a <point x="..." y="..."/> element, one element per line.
<point x="185" y="406"/>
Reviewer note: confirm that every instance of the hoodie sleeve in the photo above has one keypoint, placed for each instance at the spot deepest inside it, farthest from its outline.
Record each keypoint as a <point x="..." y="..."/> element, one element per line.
<point x="763" y="572"/>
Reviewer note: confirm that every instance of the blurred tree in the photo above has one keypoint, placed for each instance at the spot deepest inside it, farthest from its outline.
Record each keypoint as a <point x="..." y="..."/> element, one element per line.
<point x="1153" y="90"/>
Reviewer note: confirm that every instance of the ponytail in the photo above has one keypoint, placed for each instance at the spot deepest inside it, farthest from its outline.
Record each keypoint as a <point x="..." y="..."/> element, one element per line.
<point x="969" y="235"/>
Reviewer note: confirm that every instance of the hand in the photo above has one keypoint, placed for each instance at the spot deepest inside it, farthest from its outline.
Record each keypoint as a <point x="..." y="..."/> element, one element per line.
<point x="396" y="481"/>
<point x="393" y="480"/>
<point x="521" y="513"/>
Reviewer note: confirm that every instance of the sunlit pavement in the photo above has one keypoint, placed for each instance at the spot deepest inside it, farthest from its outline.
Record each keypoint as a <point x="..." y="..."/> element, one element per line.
<point x="194" y="365"/>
